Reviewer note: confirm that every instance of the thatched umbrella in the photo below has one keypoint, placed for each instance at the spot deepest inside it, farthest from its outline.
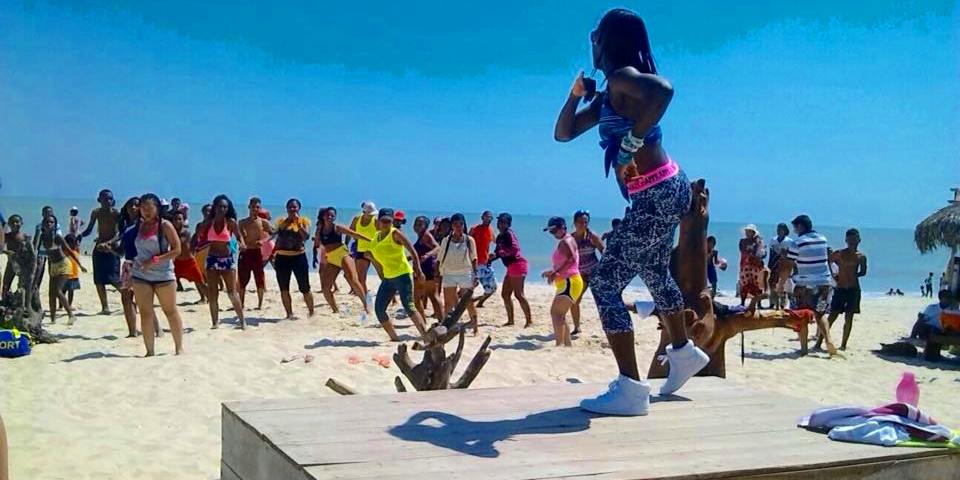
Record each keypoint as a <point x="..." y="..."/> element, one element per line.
<point x="940" y="229"/>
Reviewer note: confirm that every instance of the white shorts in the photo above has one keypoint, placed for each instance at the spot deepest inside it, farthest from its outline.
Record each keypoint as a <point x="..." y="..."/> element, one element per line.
<point x="464" y="280"/>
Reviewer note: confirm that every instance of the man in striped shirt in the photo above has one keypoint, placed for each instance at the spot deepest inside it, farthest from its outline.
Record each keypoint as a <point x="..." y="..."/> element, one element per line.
<point x="813" y="279"/>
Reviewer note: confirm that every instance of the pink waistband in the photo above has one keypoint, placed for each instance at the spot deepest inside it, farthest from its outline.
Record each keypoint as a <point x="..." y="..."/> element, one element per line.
<point x="653" y="177"/>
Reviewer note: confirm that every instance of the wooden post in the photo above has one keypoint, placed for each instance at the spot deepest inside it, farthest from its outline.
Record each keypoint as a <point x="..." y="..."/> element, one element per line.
<point x="688" y="265"/>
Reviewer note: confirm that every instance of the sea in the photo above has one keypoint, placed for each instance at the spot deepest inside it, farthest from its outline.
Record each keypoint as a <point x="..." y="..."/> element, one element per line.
<point x="893" y="259"/>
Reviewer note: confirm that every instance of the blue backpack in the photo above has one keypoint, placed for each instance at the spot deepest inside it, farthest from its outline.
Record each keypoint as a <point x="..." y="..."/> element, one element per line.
<point x="14" y="344"/>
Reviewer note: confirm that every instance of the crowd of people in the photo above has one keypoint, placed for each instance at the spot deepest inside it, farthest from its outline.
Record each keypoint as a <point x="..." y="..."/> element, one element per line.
<point x="145" y="248"/>
<point x="801" y="272"/>
<point x="148" y="249"/>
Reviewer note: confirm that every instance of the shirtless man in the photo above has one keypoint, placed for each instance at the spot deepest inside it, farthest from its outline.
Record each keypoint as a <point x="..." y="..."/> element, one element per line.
<point x="106" y="264"/>
<point x="18" y="248"/>
<point x="255" y="231"/>
<point x="41" y="252"/>
<point x="852" y="265"/>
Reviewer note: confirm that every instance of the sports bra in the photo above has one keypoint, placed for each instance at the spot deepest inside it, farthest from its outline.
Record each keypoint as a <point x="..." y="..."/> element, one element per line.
<point x="214" y="236"/>
<point x="332" y="238"/>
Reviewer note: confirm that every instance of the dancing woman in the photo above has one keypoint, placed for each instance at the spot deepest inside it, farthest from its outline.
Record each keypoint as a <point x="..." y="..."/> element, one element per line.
<point x="329" y="236"/>
<point x="627" y="113"/>
<point x="426" y="288"/>
<point x="588" y="244"/>
<point x="219" y="232"/>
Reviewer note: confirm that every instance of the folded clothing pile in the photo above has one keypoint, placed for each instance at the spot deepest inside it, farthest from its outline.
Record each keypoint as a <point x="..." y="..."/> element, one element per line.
<point x="892" y="425"/>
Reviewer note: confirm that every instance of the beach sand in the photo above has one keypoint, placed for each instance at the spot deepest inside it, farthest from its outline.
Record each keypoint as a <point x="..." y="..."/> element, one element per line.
<point x="91" y="407"/>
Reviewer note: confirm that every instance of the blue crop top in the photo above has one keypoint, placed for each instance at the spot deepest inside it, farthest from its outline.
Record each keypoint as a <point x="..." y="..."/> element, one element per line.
<point x="613" y="127"/>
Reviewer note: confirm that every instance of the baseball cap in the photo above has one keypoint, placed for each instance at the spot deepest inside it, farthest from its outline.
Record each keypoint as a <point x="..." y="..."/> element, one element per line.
<point x="368" y="207"/>
<point x="400" y="216"/>
<point x="385" y="212"/>
<point x="555" y="222"/>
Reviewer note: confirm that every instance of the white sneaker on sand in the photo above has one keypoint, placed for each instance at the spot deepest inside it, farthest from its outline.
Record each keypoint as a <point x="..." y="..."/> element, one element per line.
<point x="626" y="396"/>
<point x="684" y="364"/>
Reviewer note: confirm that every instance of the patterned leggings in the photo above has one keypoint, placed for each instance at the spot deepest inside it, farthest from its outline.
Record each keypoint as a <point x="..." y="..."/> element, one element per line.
<point x="641" y="246"/>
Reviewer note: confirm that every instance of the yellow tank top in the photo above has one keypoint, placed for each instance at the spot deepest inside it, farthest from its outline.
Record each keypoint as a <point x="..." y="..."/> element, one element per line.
<point x="369" y="231"/>
<point x="391" y="255"/>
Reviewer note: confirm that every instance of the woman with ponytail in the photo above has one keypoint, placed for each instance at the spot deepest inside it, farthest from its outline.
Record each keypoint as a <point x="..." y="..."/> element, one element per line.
<point x="659" y="193"/>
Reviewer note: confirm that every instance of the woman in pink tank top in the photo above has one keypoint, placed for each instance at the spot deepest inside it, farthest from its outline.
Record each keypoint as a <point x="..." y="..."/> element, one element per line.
<point x="565" y="276"/>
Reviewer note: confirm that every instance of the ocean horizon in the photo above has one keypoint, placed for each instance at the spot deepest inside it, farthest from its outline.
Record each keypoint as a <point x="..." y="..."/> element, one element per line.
<point x="893" y="258"/>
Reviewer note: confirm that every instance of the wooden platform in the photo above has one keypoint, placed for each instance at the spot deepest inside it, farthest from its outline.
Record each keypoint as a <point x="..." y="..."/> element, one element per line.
<point x="719" y="429"/>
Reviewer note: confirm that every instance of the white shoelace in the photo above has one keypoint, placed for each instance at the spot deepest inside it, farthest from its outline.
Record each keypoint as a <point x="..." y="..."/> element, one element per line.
<point x="614" y="385"/>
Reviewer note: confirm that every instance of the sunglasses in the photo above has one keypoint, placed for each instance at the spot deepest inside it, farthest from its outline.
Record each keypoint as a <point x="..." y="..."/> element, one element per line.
<point x="386" y="220"/>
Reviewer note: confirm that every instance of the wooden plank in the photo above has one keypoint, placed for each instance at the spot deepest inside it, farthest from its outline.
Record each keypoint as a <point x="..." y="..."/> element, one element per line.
<point x="250" y="456"/>
<point x="601" y="432"/>
<point x="227" y="473"/>
<point x="939" y="466"/>
<point x="535" y="432"/>
<point x="529" y="462"/>
<point x="299" y="427"/>
<point x="304" y="420"/>
<point x="372" y="450"/>
<point x="447" y="398"/>
<point x="706" y="461"/>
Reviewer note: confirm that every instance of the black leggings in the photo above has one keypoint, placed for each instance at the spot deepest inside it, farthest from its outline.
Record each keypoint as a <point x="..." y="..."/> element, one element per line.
<point x="298" y="266"/>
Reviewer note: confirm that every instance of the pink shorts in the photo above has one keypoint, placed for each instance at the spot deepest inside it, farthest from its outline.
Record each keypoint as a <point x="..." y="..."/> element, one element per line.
<point x="517" y="269"/>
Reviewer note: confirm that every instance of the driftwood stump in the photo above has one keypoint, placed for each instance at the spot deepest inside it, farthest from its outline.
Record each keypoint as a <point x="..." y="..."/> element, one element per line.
<point x="21" y="308"/>
<point x="435" y="369"/>
<point x="688" y="264"/>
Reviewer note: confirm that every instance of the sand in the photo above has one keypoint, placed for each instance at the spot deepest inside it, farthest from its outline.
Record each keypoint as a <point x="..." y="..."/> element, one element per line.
<point x="91" y="407"/>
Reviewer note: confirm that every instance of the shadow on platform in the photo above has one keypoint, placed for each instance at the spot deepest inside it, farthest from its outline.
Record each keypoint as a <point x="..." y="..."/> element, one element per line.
<point x="478" y="438"/>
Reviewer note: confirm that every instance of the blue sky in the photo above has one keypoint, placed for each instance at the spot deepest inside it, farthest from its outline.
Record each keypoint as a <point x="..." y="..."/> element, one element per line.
<point x="847" y="111"/>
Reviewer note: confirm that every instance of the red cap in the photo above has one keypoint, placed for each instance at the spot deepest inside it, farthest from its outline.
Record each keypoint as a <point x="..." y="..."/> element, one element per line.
<point x="399" y="216"/>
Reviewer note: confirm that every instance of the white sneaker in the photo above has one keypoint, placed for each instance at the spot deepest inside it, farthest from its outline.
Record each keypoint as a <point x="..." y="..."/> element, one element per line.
<point x="684" y="364"/>
<point x="625" y="396"/>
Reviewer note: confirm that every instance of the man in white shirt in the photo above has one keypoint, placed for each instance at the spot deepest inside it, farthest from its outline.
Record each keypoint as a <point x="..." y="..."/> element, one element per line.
<point x="808" y="252"/>
<point x="928" y="321"/>
<point x="928" y="324"/>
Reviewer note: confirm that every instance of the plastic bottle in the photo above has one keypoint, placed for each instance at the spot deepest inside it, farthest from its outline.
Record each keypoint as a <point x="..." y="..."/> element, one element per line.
<point x="907" y="390"/>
